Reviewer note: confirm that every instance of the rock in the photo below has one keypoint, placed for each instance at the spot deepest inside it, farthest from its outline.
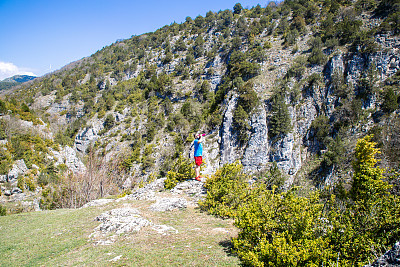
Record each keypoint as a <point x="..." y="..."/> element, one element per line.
<point x="390" y="259"/>
<point x="3" y="178"/>
<point x="191" y="188"/>
<point x="228" y="136"/>
<point x="164" y="229"/>
<point x="98" y="202"/>
<point x="285" y="154"/>
<point x="255" y="156"/>
<point x="87" y="136"/>
<point x="68" y="156"/>
<point x="121" y="221"/>
<point x="16" y="191"/>
<point x="140" y="194"/>
<point x="7" y="193"/>
<point x="157" y="185"/>
<point x="18" y="168"/>
<point x="169" y="204"/>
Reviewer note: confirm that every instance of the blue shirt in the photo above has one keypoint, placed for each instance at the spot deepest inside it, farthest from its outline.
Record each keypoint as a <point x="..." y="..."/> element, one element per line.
<point x="198" y="148"/>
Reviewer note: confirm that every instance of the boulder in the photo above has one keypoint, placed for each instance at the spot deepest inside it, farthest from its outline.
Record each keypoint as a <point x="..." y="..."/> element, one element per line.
<point x="18" y="168"/>
<point x="169" y="204"/>
<point x="121" y="221"/>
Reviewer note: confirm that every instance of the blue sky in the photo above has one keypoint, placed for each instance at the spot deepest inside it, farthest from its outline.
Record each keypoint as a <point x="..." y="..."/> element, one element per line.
<point x="39" y="36"/>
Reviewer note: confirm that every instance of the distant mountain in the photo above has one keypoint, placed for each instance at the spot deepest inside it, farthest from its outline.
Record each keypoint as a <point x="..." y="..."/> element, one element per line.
<point x="19" y="78"/>
<point x="15" y="80"/>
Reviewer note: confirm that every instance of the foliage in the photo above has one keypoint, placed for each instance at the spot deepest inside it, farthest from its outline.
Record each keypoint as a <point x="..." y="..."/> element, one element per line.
<point x="316" y="57"/>
<point x="389" y="100"/>
<point x="280" y="122"/>
<point x="241" y="125"/>
<point x="298" y="68"/>
<point x="3" y="210"/>
<point x="239" y="66"/>
<point x="181" y="170"/>
<point x="237" y="8"/>
<point x="272" y="178"/>
<point x="321" y="129"/>
<point x="226" y="189"/>
<point x="287" y="230"/>
<point x="282" y="230"/>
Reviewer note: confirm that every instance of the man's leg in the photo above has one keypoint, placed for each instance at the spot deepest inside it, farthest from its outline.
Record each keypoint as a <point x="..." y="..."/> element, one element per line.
<point x="197" y="170"/>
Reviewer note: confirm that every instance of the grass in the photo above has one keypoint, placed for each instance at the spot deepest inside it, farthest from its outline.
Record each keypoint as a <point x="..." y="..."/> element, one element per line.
<point x="61" y="238"/>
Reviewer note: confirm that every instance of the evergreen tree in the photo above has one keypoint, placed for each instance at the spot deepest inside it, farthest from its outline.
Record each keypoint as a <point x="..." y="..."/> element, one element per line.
<point x="280" y="122"/>
<point x="389" y="100"/>
<point x="237" y="8"/>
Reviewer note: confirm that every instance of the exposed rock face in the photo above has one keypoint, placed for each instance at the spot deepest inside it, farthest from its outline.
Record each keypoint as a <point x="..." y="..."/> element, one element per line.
<point x="256" y="154"/>
<point x="286" y="155"/>
<point x="390" y="259"/>
<point x="228" y="147"/>
<point x="18" y="168"/>
<point x="68" y="157"/>
<point x="87" y="136"/>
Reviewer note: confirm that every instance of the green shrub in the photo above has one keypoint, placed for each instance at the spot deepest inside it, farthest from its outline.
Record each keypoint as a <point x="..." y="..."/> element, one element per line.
<point x="282" y="230"/>
<point x="3" y="211"/>
<point x="183" y="169"/>
<point x="226" y="190"/>
<point x="389" y="100"/>
<point x="298" y="68"/>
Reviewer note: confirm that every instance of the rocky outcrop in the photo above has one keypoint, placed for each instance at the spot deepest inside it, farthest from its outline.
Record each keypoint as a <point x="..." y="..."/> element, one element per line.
<point x="169" y="204"/>
<point x="121" y="221"/>
<point x="18" y="168"/>
<point x="191" y="188"/>
<point x="229" y="144"/>
<point x="68" y="156"/>
<point x="87" y="136"/>
<point x="256" y="155"/>
<point x="390" y="259"/>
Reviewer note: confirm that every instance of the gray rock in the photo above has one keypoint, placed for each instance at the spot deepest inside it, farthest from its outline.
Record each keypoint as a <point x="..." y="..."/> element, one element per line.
<point x="164" y="229"/>
<point x="3" y="178"/>
<point x="88" y="135"/>
<point x="16" y="191"/>
<point x="98" y="202"/>
<point x="390" y="259"/>
<point x="191" y="188"/>
<point x="285" y="154"/>
<point x="121" y="221"/>
<point x="228" y="136"/>
<point x="255" y="156"/>
<point x="7" y="193"/>
<point x="18" y="168"/>
<point x="169" y="204"/>
<point x="68" y="156"/>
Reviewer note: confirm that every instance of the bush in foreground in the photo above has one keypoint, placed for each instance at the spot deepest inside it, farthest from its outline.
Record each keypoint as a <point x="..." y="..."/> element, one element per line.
<point x="285" y="229"/>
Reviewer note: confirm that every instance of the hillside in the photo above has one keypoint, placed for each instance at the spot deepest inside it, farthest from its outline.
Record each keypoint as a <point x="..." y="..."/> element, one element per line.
<point x="286" y="90"/>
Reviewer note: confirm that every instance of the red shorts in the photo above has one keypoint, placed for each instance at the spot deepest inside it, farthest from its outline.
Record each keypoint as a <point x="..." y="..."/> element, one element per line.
<point x="198" y="160"/>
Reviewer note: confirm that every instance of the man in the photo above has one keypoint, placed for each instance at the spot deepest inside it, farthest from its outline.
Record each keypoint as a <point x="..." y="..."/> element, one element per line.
<point x="198" y="154"/>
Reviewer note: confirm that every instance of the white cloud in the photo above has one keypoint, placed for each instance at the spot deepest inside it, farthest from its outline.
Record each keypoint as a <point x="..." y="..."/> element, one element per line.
<point x="9" y="70"/>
